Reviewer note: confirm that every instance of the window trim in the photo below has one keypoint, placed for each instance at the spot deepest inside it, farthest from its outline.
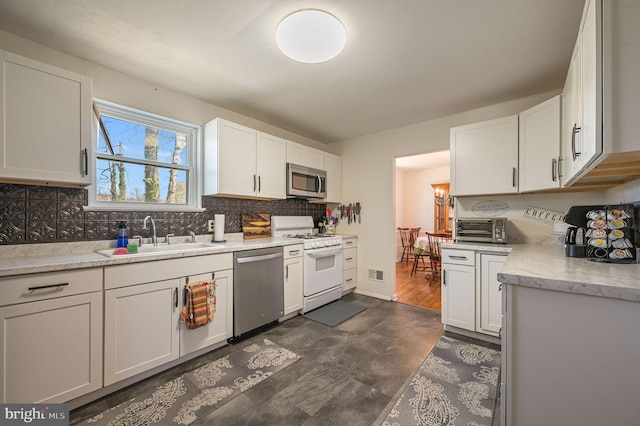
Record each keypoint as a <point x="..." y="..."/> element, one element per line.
<point x="194" y="182"/>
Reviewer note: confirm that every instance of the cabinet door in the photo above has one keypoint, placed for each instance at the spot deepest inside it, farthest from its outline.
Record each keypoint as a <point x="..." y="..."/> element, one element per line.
<point x="540" y="146"/>
<point x="489" y="298"/>
<point x="333" y="167"/>
<point x="571" y="111"/>
<point x="221" y="328"/>
<point x="140" y="328"/>
<point x="237" y="159"/>
<point x="45" y="122"/>
<point x="591" y="87"/>
<point x="458" y="296"/>
<point x="292" y="285"/>
<point x="51" y="350"/>
<point x="488" y="149"/>
<point x="271" y="166"/>
<point x="305" y="156"/>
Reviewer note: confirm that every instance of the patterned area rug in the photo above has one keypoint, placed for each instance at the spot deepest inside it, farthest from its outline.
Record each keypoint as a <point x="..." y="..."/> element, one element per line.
<point x="183" y="400"/>
<point x="455" y="385"/>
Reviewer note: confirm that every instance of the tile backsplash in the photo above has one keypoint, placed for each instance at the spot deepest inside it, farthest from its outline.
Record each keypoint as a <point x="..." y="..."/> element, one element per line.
<point x="45" y="214"/>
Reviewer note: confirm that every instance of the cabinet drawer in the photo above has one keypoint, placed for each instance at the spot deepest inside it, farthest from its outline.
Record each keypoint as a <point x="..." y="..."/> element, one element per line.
<point x="350" y="257"/>
<point x="458" y="257"/>
<point x="49" y="285"/>
<point x="350" y="278"/>
<point x="293" y="251"/>
<point x="147" y="272"/>
<point x="349" y="242"/>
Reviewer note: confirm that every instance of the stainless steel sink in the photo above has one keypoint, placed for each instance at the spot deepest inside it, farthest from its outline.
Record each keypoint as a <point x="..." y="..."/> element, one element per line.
<point x="162" y="248"/>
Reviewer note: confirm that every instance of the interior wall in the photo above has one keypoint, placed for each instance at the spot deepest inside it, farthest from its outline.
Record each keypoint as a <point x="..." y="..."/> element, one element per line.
<point x="368" y="173"/>
<point x="418" y="210"/>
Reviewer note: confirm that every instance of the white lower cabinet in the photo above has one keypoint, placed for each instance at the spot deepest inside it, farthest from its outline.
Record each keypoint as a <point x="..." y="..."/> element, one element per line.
<point x="142" y="312"/>
<point x="140" y="328"/>
<point x="458" y="289"/>
<point x="350" y="262"/>
<point x="50" y="336"/>
<point x="293" y="279"/>
<point x="471" y="298"/>
<point x="489" y="306"/>
<point x="217" y="330"/>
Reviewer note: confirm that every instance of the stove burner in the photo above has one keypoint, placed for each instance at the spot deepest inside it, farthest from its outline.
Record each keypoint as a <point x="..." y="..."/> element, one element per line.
<point x="307" y="236"/>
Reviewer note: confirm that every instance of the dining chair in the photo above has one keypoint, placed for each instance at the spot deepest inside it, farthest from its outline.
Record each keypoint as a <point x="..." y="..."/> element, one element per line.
<point x="419" y="256"/>
<point x="435" y="254"/>
<point x="408" y="238"/>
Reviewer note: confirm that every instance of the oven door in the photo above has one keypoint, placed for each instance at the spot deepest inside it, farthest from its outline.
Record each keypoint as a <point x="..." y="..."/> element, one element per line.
<point x="322" y="269"/>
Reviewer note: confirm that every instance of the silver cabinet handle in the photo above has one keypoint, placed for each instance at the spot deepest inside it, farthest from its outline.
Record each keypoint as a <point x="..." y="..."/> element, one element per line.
<point x="348" y="243"/>
<point x="292" y="252"/>
<point x="254" y="183"/>
<point x="575" y="130"/>
<point x="286" y="272"/>
<point x="458" y="257"/>
<point x="444" y="277"/>
<point x="349" y="259"/>
<point x="42" y="287"/>
<point x="553" y="170"/>
<point x="259" y="183"/>
<point x="175" y="297"/>
<point x="85" y="157"/>
<point x="513" y="177"/>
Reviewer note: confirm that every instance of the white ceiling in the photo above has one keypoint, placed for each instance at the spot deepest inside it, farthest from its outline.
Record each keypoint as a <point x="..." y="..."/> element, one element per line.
<point x="405" y="61"/>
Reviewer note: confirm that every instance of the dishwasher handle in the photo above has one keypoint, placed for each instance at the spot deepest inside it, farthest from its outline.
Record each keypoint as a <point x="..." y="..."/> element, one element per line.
<point x="258" y="258"/>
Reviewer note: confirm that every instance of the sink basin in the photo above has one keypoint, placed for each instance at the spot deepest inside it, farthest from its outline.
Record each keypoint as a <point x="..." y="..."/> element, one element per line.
<point x="162" y="248"/>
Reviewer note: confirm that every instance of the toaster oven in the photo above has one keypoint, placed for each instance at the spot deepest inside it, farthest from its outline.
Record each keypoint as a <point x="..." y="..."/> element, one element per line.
<point x="481" y="230"/>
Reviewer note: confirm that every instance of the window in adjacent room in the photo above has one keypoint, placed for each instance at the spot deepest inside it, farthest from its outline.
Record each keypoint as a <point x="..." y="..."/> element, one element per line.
<point x="143" y="161"/>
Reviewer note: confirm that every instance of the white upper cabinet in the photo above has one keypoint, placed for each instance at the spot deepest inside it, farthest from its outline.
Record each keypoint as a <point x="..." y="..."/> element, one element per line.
<point x="539" y="146"/>
<point x="305" y="156"/>
<point x="45" y="122"/>
<point x="600" y="127"/>
<point x="239" y="161"/>
<point x="333" y="167"/>
<point x="484" y="157"/>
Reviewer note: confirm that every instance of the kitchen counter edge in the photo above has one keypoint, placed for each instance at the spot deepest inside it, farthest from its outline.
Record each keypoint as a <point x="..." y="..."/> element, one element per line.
<point x="25" y="264"/>
<point x="545" y="266"/>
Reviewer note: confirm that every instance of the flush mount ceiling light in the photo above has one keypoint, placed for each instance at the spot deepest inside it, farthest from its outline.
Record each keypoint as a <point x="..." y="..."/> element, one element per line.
<point x="311" y="36"/>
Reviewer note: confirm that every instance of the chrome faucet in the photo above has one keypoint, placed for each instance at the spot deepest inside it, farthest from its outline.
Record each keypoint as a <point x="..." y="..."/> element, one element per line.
<point x="154" y="238"/>
<point x="167" y="240"/>
<point x="193" y="237"/>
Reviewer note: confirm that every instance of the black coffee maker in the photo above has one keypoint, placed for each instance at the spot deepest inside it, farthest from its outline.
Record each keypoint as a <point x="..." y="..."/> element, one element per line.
<point x="602" y="233"/>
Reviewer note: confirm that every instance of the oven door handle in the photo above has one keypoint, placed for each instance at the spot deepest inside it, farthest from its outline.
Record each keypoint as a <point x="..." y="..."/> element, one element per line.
<point x="323" y="253"/>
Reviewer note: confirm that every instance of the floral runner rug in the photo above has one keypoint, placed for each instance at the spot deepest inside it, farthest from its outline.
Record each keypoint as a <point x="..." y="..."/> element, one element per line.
<point x="456" y="384"/>
<point x="183" y="400"/>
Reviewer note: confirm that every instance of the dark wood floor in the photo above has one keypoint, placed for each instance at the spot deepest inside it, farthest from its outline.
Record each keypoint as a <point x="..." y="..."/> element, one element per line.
<point x="415" y="290"/>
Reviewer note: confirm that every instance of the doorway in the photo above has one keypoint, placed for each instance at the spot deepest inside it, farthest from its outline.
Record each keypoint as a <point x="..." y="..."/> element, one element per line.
<point x="417" y="179"/>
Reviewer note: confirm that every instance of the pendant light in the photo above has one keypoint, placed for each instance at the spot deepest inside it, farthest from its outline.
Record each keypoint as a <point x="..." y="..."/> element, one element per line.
<point x="311" y="36"/>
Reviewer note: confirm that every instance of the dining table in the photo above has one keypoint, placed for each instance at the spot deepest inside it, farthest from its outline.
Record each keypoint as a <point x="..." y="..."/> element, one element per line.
<point x="421" y="244"/>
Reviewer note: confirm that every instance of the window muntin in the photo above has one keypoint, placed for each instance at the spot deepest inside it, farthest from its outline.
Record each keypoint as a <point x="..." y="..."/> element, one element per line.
<point x="149" y="163"/>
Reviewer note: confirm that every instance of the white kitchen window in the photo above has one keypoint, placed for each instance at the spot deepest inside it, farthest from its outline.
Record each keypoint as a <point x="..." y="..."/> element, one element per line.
<point x="143" y="161"/>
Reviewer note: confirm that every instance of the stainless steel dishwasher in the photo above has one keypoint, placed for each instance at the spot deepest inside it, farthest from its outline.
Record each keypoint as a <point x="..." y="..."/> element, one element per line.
<point x="258" y="289"/>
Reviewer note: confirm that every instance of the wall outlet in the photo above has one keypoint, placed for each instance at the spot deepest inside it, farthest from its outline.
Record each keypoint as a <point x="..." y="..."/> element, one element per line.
<point x="210" y="223"/>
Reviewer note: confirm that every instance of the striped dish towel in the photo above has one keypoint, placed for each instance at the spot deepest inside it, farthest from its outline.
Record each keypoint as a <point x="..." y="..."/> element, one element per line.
<point x="200" y="305"/>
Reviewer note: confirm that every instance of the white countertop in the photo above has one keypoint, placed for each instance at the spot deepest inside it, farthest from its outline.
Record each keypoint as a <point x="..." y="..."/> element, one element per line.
<point x="545" y="266"/>
<point x="34" y="258"/>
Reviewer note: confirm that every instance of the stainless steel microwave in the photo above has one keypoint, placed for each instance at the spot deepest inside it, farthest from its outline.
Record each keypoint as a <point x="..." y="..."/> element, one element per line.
<point x="481" y="230"/>
<point x="305" y="182"/>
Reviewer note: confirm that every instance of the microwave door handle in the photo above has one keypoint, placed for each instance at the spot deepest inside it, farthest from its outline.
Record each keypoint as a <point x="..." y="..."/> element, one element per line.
<point x="319" y="184"/>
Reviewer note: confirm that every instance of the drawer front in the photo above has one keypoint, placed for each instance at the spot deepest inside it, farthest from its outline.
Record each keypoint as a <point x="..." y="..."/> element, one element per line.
<point x="49" y="285"/>
<point x="350" y="279"/>
<point x="349" y="242"/>
<point x="458" y="257"/>
<point x="292" y="251"/>
<point x="159" y="270"/>
<point x="350" y="257"/>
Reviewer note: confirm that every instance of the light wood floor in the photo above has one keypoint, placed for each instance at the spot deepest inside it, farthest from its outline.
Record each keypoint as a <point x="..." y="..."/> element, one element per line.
<point x="415" y="290"/>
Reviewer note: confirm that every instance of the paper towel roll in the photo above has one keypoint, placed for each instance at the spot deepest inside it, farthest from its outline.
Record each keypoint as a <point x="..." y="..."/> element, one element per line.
<point x="218" y="227"/>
